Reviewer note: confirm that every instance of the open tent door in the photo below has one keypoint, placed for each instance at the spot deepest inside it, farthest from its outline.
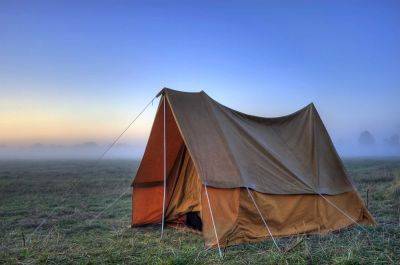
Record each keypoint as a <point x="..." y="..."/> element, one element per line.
<point x="184" y="186"/>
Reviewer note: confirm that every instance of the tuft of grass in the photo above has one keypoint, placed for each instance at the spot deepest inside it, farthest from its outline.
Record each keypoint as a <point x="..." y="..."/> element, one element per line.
<point x="396" y="190"/>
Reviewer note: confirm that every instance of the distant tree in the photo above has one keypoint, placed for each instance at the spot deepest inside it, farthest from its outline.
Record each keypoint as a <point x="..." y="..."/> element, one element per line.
<point x="393" y="141"/>
<point x="366" y="138"/>
<point x="87" y="145"/>
<point x="37" y="145"/>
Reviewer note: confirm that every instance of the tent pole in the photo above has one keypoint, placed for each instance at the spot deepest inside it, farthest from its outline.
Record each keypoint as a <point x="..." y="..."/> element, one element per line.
<point x="212" y="219"/>
<point x="262" y="217"/>
<point x="165" y="172"/>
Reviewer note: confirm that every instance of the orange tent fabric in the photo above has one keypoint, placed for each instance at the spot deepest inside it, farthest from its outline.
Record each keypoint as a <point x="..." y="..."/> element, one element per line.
<point x="286" y="163"/>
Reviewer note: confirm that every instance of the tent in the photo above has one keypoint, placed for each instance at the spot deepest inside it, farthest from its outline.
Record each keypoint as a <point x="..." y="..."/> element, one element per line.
<point x="240" y="178"/>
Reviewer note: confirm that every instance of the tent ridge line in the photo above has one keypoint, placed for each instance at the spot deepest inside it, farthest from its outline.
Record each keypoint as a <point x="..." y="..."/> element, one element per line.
<point x="283" y="117"/>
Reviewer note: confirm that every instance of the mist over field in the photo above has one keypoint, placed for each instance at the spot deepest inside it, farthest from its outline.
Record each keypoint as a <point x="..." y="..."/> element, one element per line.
<point x="87" y="150"/>
<point x="365" y="145"/>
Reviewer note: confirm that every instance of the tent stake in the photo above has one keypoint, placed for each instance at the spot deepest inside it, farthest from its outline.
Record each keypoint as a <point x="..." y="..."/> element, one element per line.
<point x="212" y="219"/>
<point x="262" y="217"/>
<point x="165" y="173"/>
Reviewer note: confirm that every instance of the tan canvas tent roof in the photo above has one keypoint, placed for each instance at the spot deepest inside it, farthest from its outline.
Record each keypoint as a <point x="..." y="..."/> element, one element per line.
<point x="235" y="171"/>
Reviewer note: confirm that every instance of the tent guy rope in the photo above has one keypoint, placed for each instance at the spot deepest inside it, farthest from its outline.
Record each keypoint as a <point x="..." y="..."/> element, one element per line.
<point x="263" y="219"/>
<point x="64" y="197"/>
<point x="212" y="219"/>
<point x="29" y="238"/>
<point x="343" y="212"/>
<point x="109" y="205"/>
<point x="124" y="131"/>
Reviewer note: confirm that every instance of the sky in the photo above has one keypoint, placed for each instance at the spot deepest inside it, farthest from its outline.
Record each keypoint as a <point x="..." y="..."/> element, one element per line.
<point x="73" y="72"/>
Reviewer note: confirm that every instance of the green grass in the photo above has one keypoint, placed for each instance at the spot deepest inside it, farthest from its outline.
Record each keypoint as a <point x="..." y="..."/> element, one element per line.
<point x="76" y="191"/>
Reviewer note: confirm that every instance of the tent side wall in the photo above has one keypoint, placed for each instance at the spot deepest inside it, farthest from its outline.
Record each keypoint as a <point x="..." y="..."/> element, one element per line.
<point x="237" y="219"/>
<point x="225" y="209"/>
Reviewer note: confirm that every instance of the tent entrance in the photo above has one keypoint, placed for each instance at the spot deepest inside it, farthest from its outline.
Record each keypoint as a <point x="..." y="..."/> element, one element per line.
<point x="184" y="193"/>
<point x="193" y="221"/>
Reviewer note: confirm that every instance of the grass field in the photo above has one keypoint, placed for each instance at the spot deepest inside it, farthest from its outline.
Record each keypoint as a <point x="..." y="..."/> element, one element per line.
<point x="70" y="194"/>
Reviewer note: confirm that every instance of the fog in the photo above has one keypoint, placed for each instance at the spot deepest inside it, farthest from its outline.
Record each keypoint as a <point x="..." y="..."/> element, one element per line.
<point x="355" y="149"/>
<point x="369" y="145"/>
<point x="364" y="145"/>
<point x="86" y="150"/>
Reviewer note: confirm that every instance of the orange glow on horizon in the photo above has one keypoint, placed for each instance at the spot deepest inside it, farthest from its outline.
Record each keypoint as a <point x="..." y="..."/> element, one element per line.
<point x="22" y="128"/>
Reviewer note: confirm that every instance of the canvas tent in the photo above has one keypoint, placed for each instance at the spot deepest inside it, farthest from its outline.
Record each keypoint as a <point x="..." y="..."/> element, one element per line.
<point x="241" y="178"/>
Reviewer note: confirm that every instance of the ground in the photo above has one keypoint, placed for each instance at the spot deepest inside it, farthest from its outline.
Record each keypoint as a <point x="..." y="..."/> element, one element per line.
<point x="67" y="200"/>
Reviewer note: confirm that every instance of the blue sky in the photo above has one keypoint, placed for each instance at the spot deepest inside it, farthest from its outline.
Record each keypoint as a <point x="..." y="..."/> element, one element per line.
<point x="73" y="71"/>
